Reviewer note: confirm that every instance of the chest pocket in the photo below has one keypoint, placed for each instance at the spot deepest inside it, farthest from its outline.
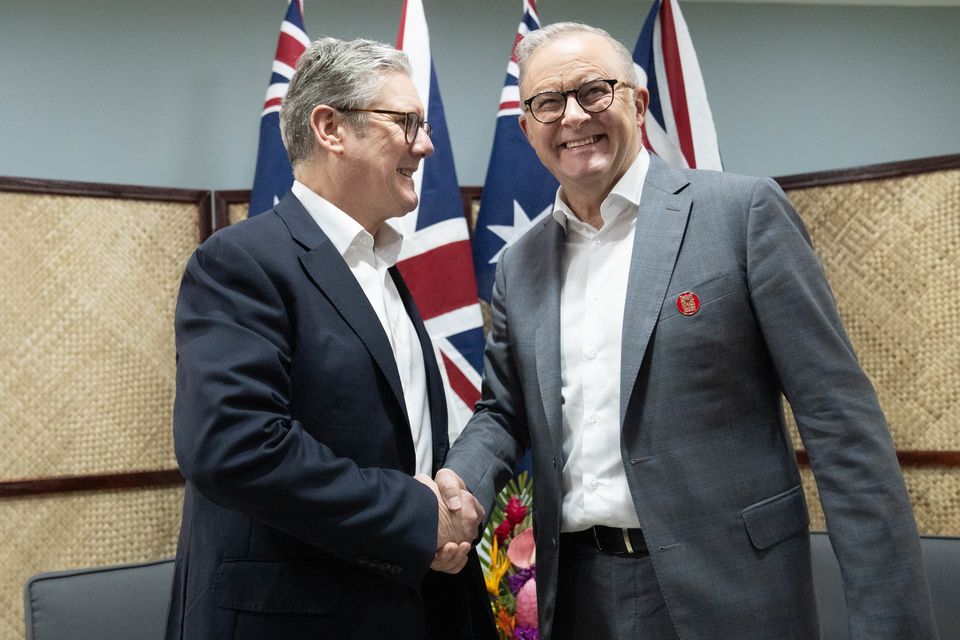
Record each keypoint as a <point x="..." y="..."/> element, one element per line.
<point x="708" y="292"/>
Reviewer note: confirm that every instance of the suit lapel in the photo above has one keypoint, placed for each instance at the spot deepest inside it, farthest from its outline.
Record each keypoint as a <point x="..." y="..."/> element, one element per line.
<point x="325" y="266"/>
<point x="545" y="294"/>
<point x="661" y="221"/>
<point x="435" y="391"/>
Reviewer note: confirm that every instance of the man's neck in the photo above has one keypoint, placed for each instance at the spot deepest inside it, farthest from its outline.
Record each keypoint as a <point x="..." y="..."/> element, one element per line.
<point x="585" y="199"/>
<point x="319" y="180"/>
<point x="586" y="209"/>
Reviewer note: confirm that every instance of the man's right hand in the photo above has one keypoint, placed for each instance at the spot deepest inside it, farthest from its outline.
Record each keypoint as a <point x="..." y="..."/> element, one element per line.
<point x="451" y="486"/>
<point x="459" y="524"/>
<point x="456" y="528"/>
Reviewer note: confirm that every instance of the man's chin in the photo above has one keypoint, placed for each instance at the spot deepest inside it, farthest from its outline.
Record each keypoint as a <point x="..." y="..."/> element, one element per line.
<point x="584" y="170"/>
<point x="408" y="207"/>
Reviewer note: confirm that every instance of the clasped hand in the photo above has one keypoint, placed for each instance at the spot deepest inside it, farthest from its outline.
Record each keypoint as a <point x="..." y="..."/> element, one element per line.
<point x="459" y="523"/>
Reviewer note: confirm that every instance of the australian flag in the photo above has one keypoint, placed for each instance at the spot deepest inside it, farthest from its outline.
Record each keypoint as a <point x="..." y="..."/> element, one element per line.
<point x="435" y="261"/>
<point x="274" y="175"/>
<point x="517" y="190"/>
<point x="679" y="124"/>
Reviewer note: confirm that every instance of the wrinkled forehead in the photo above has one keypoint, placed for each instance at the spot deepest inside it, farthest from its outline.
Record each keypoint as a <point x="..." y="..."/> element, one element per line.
<point x="397" y="92"/>
<point x="568" y="62"/>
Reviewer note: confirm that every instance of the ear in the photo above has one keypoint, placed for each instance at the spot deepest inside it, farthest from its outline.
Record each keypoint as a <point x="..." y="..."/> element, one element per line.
<point x="642" y="100"/>
<point x="326" y="125"/>
<point x="522" y="121"/>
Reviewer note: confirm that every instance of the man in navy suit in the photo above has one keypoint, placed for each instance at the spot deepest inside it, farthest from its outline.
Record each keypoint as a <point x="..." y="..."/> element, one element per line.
<point x="309" y="414"/>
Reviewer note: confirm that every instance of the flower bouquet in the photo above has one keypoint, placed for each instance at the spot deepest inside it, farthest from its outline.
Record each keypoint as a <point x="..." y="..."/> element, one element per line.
<point x="508" y="555"/>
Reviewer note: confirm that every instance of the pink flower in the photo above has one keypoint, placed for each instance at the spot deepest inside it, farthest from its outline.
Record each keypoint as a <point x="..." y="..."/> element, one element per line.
<point x="523" y="549"/>
<point x="527" y="605"/>
<point x="515" y="510"/>
<point x="503" y="531"/>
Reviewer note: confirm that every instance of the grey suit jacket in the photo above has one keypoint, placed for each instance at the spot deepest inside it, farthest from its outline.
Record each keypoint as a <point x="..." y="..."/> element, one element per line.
<point x="711" y="469"/>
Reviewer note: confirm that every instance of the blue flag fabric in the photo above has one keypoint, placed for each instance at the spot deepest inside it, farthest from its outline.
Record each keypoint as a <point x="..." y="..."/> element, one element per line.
<point x="273" y="175"/>
<point x="517" y="189"/>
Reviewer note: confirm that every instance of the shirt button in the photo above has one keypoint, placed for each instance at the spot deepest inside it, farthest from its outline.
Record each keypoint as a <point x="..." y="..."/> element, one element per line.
<point x="590" y="353"/>
<point x="593" y="419"/>
<point x="594" y="484"/>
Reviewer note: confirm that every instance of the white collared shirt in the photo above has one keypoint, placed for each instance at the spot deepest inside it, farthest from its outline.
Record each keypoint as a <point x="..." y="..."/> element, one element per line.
<point x="595" y="267"/>
<point x="369" y="258"/>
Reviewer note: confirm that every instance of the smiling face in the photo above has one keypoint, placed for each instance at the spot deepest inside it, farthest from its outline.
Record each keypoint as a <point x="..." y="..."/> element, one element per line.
<point x="380" y="163"/>
<point x="586" y="152"/>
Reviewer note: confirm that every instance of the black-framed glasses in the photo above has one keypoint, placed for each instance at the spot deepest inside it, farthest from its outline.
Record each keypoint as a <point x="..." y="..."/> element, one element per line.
<point x="593" y="97"/>
<point x="410" y="122"/>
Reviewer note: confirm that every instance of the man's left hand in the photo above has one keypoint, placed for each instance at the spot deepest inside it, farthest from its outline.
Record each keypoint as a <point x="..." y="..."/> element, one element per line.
<point x="451" y="557"/>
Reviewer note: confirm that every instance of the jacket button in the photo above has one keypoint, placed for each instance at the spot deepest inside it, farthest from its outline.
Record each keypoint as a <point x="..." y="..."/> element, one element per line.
<point x="385" y="566"/>
<point x="396" y="570"/>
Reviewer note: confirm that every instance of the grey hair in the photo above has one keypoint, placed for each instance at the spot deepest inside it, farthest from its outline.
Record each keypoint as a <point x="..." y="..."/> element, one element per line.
<point x="536" y="39"/>
<point x="344" y="74"/>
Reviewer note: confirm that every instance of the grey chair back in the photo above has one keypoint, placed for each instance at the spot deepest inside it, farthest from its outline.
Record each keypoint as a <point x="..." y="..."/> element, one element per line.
<point x="125" y="602"/>
<point x="941" y="559"/>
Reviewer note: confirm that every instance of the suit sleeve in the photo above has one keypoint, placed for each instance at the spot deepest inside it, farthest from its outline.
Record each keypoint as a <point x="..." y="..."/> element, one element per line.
<point x="236" y="441"/>
<point x="496" y="437"/>
<point x="840" y="422"/>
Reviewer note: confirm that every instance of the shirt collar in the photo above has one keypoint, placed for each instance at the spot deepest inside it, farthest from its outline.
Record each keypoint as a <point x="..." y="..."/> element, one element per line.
<point x="345" y="232"/>
<point x="624" y="194"/>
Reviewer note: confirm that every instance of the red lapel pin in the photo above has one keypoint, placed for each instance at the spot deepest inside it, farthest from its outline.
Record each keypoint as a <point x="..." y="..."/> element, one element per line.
<point x="688" y="303"/>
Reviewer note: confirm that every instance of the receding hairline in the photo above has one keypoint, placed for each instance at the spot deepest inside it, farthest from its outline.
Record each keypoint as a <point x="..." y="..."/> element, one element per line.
<point x="602" y="36"/>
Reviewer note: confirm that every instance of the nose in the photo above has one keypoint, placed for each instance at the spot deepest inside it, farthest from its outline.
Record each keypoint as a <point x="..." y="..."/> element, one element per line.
<point x="422" y="146"/>
<point x="573" y="114"/>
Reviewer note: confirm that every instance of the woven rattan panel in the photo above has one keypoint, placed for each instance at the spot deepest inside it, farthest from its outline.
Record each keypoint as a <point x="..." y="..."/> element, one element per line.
<point x="86" y="324"/>
<point x="66" y="531"/>
<point x="237" y="212"/>
<point x="934" y="492"/>
<point x="891" y="250"/>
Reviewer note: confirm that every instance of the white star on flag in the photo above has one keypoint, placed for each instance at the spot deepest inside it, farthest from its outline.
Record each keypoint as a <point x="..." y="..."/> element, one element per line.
<point x="511" y="233"/>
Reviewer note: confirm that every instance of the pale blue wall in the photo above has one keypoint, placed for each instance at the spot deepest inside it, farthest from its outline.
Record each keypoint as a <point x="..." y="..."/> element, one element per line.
<point x="169" y="93"/>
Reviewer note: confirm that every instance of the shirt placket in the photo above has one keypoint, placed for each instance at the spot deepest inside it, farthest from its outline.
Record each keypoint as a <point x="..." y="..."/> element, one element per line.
<point x="594" y="378"/>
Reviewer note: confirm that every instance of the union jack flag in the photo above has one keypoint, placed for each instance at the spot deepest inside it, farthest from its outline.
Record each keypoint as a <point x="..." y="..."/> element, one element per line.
<point x="435" y="261"/>
<point x="518" y="190"/>
<point x="273" y="174"/>
<point x="679" y="125"/>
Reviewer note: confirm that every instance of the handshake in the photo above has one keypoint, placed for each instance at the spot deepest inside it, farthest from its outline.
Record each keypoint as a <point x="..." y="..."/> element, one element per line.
<point x="459" y="524"/>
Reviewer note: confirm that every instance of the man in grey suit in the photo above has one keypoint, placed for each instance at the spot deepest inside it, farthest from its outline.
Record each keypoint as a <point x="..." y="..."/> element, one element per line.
<point x="641" y="339"/>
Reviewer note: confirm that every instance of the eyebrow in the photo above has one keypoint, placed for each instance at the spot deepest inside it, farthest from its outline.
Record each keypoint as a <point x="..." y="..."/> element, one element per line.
<point x="577" y="85"/>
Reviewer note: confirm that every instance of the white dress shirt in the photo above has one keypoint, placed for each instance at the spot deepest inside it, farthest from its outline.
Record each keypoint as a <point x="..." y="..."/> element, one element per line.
<point x="369" y="258"/>
<point x="595" y="267"/>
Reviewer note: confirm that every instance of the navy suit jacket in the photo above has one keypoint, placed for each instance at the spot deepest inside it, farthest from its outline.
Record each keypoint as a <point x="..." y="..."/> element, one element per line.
<point x="301" y="518"/>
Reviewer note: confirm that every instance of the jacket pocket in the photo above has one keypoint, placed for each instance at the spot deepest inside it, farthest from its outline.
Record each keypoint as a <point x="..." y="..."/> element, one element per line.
<point x="276" y="587"/>
<point x="777" y="518"/>
<point x="707" y="290"/>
